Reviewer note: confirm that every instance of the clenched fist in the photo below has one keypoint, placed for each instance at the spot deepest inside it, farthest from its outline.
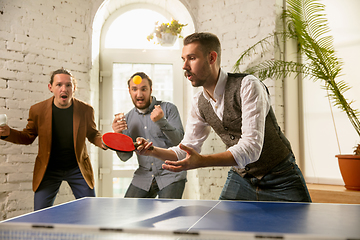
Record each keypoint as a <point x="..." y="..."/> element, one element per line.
<point x="157" y="114"/>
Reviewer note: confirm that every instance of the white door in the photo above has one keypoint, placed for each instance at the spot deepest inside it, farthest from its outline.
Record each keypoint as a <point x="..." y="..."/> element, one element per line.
<point x="116" y="67"/>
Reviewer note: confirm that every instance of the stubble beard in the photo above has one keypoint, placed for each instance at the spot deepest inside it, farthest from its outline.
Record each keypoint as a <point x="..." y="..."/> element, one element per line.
<point x="144" y="105"/>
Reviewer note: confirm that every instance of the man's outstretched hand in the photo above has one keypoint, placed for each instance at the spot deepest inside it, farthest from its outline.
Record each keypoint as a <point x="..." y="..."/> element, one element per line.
<point x="191" y="161"/>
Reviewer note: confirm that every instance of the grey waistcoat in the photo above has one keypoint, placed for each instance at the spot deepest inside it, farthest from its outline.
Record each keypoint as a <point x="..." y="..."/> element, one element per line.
<point x="276" y="147"/>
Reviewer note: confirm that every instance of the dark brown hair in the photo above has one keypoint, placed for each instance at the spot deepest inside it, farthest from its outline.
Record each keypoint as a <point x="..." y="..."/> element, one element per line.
<point x="208" y="42"/>
<point x="63" y="71"/>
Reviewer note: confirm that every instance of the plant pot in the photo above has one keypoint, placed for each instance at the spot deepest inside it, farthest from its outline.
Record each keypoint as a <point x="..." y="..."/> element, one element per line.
<point x="350" y="170"/>
<point x="167" y="39"/>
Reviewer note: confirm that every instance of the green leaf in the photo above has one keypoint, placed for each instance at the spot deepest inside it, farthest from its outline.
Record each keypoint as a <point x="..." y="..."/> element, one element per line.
<point x="305" y="21"/>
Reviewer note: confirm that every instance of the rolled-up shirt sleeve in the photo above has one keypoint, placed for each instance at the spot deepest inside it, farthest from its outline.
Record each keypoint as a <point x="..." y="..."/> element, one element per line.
<point x="255" y="105"/>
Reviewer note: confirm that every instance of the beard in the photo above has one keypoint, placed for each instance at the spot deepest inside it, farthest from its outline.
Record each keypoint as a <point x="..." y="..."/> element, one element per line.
<point x="195" y="79"/>
<point x="144" y="104"/>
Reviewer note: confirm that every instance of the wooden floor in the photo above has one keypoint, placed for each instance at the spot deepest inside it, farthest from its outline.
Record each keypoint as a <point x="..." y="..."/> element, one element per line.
<point x="322" y="193"/>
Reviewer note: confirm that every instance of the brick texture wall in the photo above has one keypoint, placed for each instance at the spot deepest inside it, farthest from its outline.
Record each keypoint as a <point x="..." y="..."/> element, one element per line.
<point x="36" y="38"/>
<point x="39" y="36"/>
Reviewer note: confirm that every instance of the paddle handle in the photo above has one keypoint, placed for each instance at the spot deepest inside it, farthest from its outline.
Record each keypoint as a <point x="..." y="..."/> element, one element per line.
<point x="136" y="145"/>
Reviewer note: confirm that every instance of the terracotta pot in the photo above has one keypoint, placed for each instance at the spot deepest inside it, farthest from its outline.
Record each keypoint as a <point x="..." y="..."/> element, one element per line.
<point x="350" y="170"/>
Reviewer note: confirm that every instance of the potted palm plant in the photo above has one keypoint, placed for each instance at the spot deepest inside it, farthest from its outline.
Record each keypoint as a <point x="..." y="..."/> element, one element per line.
<point x="305" y="22"/>
<point x="167" y="33"/>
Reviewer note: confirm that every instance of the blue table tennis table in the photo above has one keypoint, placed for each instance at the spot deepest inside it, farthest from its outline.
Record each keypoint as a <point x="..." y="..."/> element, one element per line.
<point x="126" y="218"/>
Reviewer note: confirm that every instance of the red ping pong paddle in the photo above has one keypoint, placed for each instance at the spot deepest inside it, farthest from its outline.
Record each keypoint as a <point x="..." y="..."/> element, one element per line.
<point x="120" y="142"/>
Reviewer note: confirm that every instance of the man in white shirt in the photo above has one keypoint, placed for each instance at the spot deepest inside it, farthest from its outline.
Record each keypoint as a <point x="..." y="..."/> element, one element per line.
<point x="237" y="107"/>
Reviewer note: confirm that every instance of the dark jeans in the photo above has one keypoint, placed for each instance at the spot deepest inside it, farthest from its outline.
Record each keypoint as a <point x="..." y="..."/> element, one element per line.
<point x="284" y="182"/>
<point x="46" y="193"/>
<point x="173" y="191"/>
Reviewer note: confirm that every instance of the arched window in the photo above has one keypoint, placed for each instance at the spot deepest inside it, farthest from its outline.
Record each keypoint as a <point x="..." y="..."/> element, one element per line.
<point x="130" y="29"/>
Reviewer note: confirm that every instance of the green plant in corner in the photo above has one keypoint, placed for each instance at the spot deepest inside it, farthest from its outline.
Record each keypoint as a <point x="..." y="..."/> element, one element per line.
<point x="306" y="23"/>
<point x="173" y="27"/>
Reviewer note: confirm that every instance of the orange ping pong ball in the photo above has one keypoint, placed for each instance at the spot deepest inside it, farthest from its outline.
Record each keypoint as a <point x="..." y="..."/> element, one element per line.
<point x="137" y="79"/>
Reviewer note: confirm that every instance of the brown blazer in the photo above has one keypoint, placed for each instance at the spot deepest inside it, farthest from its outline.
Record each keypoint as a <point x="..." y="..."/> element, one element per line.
<point x="39" y="124"/>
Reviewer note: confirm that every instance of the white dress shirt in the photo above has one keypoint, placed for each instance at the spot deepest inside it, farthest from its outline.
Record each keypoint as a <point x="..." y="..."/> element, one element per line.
<point x="255" y="105"/>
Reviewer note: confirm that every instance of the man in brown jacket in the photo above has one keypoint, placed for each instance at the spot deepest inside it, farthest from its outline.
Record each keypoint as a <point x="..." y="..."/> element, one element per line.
<point x="62" y="123"/>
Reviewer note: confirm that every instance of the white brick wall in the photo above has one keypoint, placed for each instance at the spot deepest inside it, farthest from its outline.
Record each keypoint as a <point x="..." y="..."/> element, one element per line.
<point x="39" y="36"/>
<point x="36" y="38"/>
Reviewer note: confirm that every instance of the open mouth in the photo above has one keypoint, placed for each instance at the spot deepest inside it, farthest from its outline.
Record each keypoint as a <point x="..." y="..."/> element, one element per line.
<point x="64" y="97"/>
<point x="188" y="74"/>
